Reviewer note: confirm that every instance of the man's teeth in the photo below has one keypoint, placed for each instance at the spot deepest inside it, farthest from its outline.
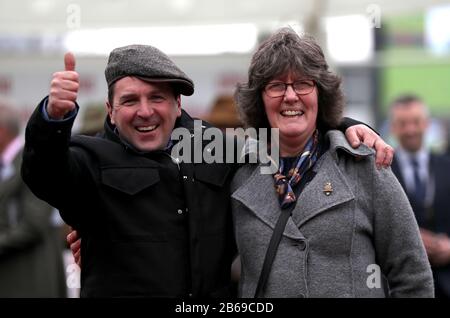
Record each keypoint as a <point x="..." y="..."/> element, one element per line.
<point x="291" y="112"/>
<point x="146" y="128"/>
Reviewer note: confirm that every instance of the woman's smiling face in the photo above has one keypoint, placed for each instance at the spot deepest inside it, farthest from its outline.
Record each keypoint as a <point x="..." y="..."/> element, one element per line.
<point x="293" y="114"/>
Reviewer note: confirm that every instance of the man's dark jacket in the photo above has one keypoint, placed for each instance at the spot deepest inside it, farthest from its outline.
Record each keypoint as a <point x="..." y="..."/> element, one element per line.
<point x="150" y="226"/>
<point x="436" y="217"/>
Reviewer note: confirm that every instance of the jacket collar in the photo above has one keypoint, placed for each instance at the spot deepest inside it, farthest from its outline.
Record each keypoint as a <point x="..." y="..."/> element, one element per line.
<point x="338" y="141"/>
<point x="258" y="193"/>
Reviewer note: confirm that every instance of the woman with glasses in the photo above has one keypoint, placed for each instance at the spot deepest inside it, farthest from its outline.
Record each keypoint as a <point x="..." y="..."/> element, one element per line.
<point x="328" y="223"/>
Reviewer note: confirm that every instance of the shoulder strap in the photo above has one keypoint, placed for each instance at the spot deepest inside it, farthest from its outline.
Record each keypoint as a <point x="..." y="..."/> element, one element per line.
<point x="272" y="249"/>
<point x="276" y="236"/>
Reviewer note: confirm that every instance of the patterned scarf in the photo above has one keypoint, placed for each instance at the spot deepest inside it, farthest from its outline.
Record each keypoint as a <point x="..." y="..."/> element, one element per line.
<point x="306" y="160"/>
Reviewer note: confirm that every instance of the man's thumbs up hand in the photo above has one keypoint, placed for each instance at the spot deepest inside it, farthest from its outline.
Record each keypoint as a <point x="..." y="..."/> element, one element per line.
<point x="69" y="61"/>
<point x="63" y="89"/>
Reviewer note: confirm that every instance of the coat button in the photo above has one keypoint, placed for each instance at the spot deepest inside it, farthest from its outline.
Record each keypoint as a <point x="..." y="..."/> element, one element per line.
<point x="180" y="211"/>
<point x="300" y="244"/>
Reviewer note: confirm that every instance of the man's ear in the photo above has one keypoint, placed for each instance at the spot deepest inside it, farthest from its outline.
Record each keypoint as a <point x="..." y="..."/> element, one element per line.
<point x="179" y="106"/>
<point x="109" y="109"/>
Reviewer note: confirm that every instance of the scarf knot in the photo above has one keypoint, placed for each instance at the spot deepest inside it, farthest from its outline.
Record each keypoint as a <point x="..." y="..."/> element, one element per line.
<point x="285" y="182"/>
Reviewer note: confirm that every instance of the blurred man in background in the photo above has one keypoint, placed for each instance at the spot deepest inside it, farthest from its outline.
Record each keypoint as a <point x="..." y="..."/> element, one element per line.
<point x="426" y="180"/>
<point x="30" y="247"/>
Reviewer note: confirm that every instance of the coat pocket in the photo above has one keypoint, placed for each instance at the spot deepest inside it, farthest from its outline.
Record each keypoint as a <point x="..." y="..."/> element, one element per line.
<point x="130" y="180"/>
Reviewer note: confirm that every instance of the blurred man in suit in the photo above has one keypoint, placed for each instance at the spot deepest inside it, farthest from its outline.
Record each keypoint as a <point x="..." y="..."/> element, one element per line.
<point x="30" y="248"/>
<point x="426" y="180"/>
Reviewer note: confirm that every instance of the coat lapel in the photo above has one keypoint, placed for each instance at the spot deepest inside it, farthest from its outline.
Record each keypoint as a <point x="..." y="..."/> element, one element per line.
<point x="258" y="195"/>
<point x="314" y="200"/>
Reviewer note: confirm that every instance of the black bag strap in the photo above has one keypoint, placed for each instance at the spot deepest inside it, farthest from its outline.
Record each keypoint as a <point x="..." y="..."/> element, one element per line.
<point x="276" y="236"/>
<point x="272" y="249"/>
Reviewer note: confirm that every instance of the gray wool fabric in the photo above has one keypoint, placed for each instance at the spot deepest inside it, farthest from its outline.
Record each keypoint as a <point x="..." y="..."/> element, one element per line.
<point x="147" y="63"/>
<point x="360" y="240"/>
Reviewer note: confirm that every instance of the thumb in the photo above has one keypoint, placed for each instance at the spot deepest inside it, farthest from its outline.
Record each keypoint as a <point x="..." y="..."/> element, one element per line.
<point x="69" y="61"/>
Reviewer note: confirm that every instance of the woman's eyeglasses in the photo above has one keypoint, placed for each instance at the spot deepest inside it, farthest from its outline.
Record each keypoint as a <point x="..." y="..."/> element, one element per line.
<point x="278" y="89"/>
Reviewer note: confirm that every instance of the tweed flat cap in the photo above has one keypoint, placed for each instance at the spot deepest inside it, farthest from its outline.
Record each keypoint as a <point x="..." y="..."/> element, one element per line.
<point x="147" y="63"/>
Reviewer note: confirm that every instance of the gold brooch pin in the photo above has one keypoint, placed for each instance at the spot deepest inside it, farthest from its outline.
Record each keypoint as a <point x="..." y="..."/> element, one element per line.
<point x="327" y="188"/>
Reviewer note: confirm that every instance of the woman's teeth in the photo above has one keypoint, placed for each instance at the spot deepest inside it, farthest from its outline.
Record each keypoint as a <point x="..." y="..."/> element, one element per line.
<point x="292" y="113"/>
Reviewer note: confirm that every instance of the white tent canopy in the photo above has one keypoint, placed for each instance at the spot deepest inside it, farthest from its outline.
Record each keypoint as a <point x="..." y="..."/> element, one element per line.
<point x="31" y="17"/>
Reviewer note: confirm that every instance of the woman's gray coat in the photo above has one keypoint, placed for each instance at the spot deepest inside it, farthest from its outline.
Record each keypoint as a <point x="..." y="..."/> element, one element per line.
<point x="359" y="241"/>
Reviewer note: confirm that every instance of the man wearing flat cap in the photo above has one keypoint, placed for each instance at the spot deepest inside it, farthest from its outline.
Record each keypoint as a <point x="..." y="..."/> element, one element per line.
<point x="150" y="224"/>
<point x="145" y="231"/>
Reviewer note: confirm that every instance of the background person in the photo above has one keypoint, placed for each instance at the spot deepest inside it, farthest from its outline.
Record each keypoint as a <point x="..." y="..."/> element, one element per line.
<point x="425" y="176"/>
<point x="30" y="245"/>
